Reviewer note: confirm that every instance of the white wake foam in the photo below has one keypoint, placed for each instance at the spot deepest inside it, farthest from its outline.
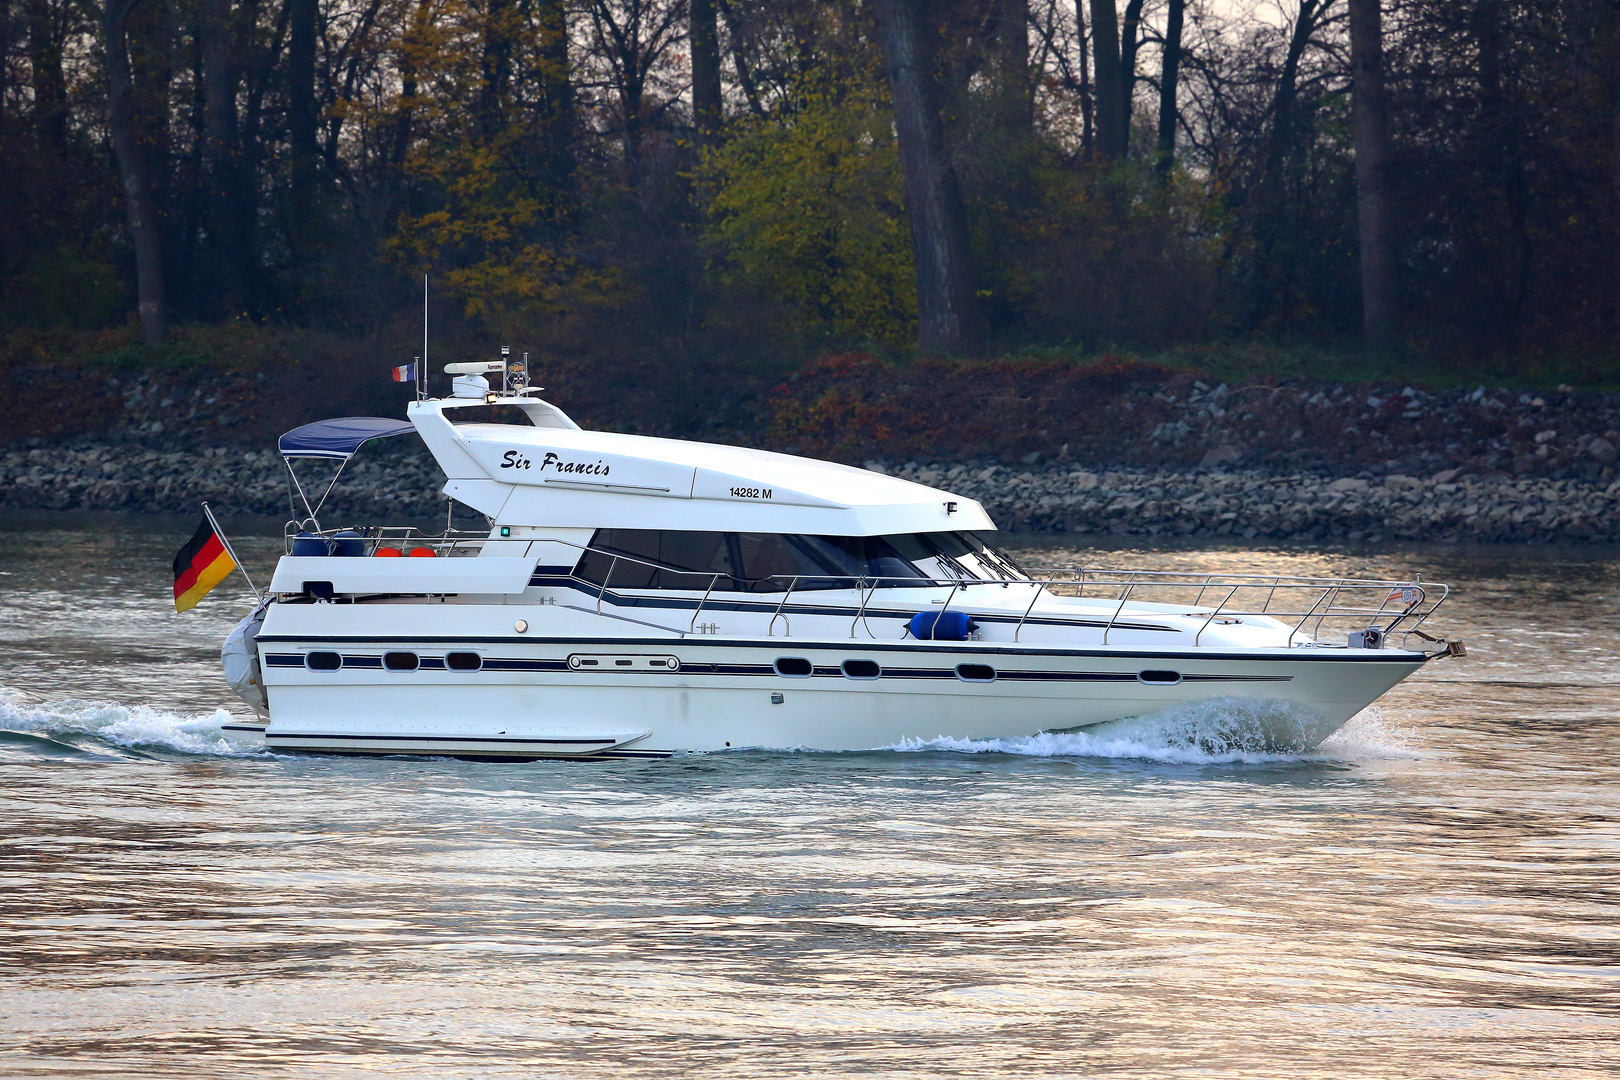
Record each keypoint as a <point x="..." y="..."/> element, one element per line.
<point x="1212" y="731"/>
<point x="131" y="726"/>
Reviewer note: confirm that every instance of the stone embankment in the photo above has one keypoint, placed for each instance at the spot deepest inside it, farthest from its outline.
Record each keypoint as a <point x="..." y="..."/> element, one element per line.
<point x="1446" y="507"/>
<point x="400" y="484"/>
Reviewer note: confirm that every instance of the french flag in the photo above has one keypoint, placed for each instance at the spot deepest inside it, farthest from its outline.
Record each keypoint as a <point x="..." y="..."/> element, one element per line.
<point x="405" y="373"/>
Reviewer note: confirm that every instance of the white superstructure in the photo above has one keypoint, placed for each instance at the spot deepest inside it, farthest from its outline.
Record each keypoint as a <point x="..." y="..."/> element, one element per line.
<point x="638" y="596"/>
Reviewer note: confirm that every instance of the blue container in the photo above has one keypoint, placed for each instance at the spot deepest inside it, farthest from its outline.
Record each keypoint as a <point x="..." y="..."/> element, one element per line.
<point x="349" y="543"/>
<point x="942" y="625"/>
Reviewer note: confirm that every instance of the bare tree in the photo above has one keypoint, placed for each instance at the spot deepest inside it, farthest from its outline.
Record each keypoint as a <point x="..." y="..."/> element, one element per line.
<point x="135" y="172"/>
<point x="1111" y="135"/>
<point x="704" y="37"/>
<point x="947" y="303"/>
<point x="1369" y="117"/>
<point x="1169" y="78"/>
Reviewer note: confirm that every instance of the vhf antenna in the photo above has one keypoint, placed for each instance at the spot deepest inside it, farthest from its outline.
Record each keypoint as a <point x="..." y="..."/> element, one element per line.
<point x="421" y="372"/>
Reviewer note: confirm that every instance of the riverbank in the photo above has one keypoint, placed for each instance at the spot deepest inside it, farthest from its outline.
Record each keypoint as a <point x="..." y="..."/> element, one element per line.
<point x="400" y="483"/>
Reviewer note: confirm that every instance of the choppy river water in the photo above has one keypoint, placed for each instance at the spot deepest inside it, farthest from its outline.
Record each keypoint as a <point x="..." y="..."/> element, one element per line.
<point x="1434" y="892"/>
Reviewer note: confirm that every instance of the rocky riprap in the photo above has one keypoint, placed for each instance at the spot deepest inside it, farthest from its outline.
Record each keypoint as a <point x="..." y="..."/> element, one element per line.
<point x="1449" y="506"/>
<point x="399" y="483"/>
<point x="382" y="485"/>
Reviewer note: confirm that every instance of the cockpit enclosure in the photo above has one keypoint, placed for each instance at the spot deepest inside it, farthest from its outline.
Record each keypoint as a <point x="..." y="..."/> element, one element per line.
<point x="780" y="562"/>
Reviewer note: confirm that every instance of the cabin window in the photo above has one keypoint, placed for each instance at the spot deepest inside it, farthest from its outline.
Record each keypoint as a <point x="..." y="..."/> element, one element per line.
<point x="401" y="661"/>
<point x="975" y="673"/>
<point x="794" y="667"/>
<point x="323" y="661"/>
<point x="659" y="559"/>
<point x="861" y="669"/>
<point x="463" y="661"/>
<point x="775" y="562"/>
<point x="1159" y="678"/>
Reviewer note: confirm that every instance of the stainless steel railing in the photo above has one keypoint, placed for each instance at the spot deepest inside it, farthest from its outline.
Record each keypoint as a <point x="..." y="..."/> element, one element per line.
<point x="1393" y="607"/>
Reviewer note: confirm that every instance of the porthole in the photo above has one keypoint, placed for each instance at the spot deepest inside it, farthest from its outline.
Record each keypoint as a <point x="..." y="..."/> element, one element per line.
<point x="463" y="661"/>
<point x="861" y="669"/>
<point x="794" y="667"/>
<point x="323" y="661"/>
<point x="975" y="673"/>
<point x="401" y="661"/>
<point x="1159" y="678"/>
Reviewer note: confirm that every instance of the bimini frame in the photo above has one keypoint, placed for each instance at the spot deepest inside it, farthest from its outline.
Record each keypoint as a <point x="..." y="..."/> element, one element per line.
<point x="333" y="440"/>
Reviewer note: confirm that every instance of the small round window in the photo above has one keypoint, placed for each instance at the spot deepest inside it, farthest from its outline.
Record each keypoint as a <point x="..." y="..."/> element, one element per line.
<point x="400" y="661"/>
<point x="794" y="667"/>
<point x="463" y="661"/>
<point x="975" y="673"/>
<point x="323" y="661"/>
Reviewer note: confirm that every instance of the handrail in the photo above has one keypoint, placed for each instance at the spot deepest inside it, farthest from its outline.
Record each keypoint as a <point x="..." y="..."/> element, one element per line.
<point x="860" y="612"/>
<point x="1230" y="593"/>
<point x="607" y="577"/>
<point x="1123" y="598"/>
<point x="1325" y="598"/>
<point x="1304" y="618"/>
<point x="1019" y="629"/>
<point x="787" y="623"/>
<point x="691" y="626"/>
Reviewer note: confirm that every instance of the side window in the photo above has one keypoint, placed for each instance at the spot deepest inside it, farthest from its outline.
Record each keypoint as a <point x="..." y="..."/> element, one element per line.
<point x="658" y="559"/>
<point x="872" y="557"/>
<point x="772" y="562"/>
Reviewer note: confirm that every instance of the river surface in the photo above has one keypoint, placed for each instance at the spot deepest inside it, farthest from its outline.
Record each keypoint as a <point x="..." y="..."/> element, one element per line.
<point x="1433" y="892"/>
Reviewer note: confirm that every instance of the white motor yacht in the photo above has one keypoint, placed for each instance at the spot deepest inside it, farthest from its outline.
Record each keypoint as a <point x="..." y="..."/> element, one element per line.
<point x="638" y="597"/>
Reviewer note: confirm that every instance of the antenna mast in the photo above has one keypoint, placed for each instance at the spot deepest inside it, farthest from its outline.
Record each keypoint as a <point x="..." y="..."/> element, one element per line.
<point x="421" y="388"/>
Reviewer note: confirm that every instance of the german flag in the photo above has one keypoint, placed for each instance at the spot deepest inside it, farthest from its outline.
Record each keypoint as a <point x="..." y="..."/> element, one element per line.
<point x="200" y="565"/>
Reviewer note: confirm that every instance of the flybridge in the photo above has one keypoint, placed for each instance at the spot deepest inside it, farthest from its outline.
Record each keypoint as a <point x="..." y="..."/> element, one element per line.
<point x="555" y="474"/>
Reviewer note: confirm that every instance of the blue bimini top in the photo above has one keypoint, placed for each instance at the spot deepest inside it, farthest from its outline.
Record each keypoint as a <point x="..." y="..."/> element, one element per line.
<point x="338" y="438"/>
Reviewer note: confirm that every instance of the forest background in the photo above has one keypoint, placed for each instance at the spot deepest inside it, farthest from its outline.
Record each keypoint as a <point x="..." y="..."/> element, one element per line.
<point x="741" y="217"/>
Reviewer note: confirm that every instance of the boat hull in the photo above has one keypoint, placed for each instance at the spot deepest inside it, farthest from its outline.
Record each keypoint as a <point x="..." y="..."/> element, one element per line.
<point x="528" y="699"/>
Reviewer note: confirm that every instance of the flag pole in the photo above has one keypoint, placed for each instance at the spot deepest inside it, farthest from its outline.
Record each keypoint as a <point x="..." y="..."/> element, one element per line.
<point x="219" y="532"/>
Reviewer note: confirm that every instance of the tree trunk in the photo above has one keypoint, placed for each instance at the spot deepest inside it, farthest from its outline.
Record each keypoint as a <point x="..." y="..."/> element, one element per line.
<point x="45" y="46"/>
<point x="1369" y="119"/>
<point x="1270" y="202"/>
<point x="947" y="303"/>
<point x="557" y="105"/>
<point x="132" y="166"/>
<point x="1169" y="76"/>
<point x="496" y="68"/>
<point x="1502" y="161"/>
<point x="1012" y="65"/>
<point x="1105" y="52"/>
<point x="739" y="58"/>
<point x="1130" y="35"/>
<point x="704" y="35"/>
<point x="229" y="217"/>
<point x="302" y="122"/>
<point x="1088" y="111"/>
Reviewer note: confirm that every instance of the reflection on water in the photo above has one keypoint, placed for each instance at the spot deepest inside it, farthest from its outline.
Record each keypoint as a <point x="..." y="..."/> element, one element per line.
<point x="1431" y="893"/>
